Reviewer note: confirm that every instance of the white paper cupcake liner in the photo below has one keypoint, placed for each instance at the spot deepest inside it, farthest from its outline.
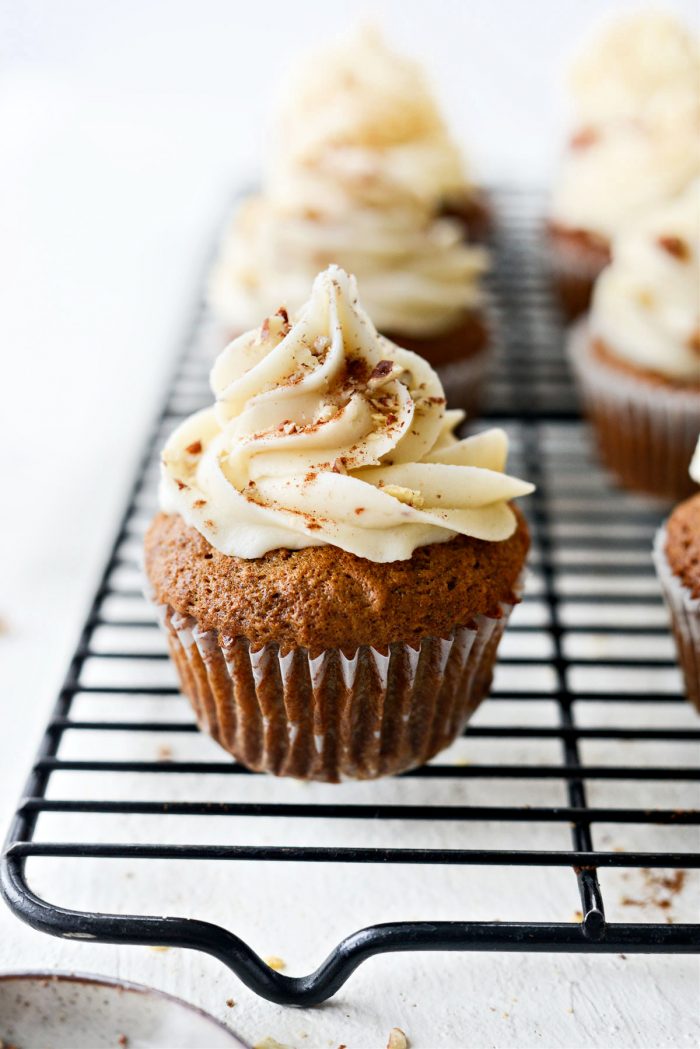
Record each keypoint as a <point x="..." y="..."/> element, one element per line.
<point x="333" y="716"/>
<point x="646" y="432"/>
<point x="684" y="610"/>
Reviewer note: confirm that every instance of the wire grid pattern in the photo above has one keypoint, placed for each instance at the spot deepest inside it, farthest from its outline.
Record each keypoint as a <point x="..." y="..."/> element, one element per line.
<point x="589" y="647"/>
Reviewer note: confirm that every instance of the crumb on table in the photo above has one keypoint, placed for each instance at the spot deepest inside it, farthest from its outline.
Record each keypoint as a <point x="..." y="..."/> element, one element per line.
<point x="397" y="1039"/>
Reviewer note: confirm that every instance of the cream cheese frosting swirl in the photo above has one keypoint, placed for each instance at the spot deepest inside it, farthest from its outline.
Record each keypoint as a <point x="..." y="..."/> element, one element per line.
<point x="418" y="276"/>
<point x="646" y="303"/>
<point x="621" y="170"/>
<point x="361" y="118"/>
<point x="694" y="468"/>
<point x="362" y="166"/>
<point x="324" y="432"/>
<point x="642" y="66"/>
<point x="636" y="95"/>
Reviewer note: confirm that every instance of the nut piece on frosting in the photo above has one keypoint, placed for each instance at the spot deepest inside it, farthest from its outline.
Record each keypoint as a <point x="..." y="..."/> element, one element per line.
<point x="325" y="432"/>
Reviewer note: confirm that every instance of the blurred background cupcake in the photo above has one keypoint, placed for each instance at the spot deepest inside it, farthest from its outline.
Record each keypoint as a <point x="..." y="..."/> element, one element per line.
<point x="364" y="174"/>
<point x="637" y="359"/>
<point x="677" y="560"/>
<point x="635" y="91"/>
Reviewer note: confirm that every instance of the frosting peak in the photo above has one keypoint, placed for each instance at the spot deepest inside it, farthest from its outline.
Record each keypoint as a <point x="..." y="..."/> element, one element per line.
<point x="643" y="65"/>
<point x="636" y="94"/>
<point x="367" y="117"/>
<point x="362" y="167"/>
<point x="325" y="432"/>
<point x="646" y="303"/>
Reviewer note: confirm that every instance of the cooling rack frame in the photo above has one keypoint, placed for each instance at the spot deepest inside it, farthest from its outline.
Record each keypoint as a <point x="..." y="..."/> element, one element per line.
<point x="530" y="389"/>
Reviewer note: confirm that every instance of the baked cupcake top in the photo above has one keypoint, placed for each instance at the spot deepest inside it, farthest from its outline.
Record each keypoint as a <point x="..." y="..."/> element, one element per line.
<point x="362" y="167"/>
<point x="646" y="303"/>
<point x="683" y="535"/>
<point x="324" y="432"/>
<point x="637" y="118"/>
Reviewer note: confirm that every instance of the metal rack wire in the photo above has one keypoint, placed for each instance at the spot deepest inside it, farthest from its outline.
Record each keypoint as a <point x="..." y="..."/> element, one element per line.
<point x="590" y="636"/>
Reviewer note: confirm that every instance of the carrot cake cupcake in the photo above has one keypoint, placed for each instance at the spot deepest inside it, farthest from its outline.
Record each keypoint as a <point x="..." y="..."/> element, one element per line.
<point x="637" y="359"/>
<point x="636" y="141"/>
<point x="677" y="559"/>
<point x="364" y="174"/>
<point x="333" y="567"/>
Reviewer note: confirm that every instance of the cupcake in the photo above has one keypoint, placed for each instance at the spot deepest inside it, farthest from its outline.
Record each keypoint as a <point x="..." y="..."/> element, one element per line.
<point x="637" y="359"/>
<point x="677" y="560"/>
<point x="636" y="142"/>
<point x="365" y="175"/>
<point x="333" y="568"/>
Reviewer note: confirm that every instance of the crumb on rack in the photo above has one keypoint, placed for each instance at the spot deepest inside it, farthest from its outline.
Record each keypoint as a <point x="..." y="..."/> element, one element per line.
<point x="278" y="964"/>
<point x="158" y="948"/>
<point x="659" y="890"/>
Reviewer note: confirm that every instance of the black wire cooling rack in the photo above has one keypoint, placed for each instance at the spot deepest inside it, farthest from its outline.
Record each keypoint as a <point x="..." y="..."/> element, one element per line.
<point x="590" y="639"/>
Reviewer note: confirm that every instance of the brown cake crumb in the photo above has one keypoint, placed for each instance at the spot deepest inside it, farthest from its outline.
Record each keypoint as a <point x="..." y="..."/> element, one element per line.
<point x="683" y="543"/>
<point x="195" y="448"/>
<point x="322" y="597"/>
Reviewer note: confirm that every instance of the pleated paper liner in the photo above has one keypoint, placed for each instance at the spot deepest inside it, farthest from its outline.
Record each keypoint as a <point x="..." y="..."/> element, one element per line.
<point x="334" y="716"/>
<point x="684" y="610"/>
<point x="645" y="432"/>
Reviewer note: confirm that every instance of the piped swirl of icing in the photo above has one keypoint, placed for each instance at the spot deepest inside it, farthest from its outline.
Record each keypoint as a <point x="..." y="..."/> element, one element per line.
<point x="361" y="119"/>
<point x="646" y="303"/>
<point x="637" y="117"/>
<point x="363" y="165"/>
<point x="694" y="468"/>
<point x="642" y="66"/>
<point x="324" y="432"/>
